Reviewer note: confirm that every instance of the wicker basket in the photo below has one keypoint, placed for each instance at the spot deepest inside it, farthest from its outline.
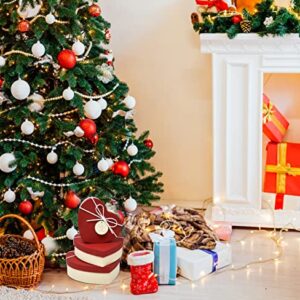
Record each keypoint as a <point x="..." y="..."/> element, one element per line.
<point x="26" y="271"/>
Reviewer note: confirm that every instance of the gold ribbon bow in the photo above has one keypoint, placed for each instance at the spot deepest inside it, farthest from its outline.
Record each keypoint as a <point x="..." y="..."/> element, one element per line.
<point x="282" y="169"/>
<point x="269" y="116"/>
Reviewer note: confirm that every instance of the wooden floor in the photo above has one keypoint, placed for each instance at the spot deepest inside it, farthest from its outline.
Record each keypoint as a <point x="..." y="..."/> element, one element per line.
<point x="276" y="280"/>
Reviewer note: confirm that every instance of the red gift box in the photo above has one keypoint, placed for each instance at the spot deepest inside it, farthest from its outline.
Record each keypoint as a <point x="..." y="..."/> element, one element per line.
<point x="97" y="224"/>
<point x="275" y="124"/>
<point x="282" y="171"/>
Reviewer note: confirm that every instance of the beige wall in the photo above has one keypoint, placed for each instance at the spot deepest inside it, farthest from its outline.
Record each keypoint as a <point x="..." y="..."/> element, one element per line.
<point x="157" y="54"/>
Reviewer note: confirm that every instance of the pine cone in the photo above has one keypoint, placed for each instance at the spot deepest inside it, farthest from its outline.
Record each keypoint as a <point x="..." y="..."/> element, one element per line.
<point x="246" y="26"/>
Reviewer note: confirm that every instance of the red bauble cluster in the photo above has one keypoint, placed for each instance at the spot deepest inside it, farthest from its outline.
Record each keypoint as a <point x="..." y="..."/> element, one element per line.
<point x="24" y="26"/>
<point x="236" y="19"/>
<point x="95" y="10"/>
<point x="41" y="234"/>
<point x="71" y="200"/>
<point x="121" y="168"/>
<point x="25" y="207"/>
<point x="148" y="143"/>
<point x="66" y="59"/>
<point x="1" y="82"/>
<point x="90" y="130"/>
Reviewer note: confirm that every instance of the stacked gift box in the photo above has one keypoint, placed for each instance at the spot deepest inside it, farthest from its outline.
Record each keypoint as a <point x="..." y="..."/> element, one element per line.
<point x="283" y="160"/>
<point x="98" y="247"/>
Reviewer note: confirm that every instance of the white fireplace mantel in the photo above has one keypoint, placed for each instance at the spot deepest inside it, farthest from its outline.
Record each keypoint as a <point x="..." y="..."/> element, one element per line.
<point x="238" y="68"/>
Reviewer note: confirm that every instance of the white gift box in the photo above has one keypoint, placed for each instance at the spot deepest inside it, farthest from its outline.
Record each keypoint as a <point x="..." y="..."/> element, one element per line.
<point x="195" y="264"/>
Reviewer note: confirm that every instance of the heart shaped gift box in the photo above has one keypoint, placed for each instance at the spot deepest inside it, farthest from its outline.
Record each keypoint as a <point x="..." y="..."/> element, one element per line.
<point x="96" y="223"/>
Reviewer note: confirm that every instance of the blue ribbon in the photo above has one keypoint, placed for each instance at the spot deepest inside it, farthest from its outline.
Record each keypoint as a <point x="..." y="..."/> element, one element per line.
<point x="215" y="258"/>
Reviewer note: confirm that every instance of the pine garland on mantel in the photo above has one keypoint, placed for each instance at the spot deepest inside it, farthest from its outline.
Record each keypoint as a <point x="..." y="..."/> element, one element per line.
<point x="267" y="19"/>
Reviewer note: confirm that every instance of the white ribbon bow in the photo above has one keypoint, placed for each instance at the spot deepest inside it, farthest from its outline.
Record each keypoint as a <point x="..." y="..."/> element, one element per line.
<point x="99" y="214"/>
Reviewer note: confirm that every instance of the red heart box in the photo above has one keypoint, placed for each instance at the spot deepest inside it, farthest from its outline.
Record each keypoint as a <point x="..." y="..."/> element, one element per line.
<point x="97" y="224"/>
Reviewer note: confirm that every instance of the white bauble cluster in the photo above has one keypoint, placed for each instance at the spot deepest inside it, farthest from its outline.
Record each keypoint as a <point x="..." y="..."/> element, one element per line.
<point x="38" y="103"/>
<point x="79" y="132"/>
<point x="130" y="204"/>
<point x="2" y="61"/>
<point x="9" y="196"/>
<point x="103" y="103"/>
<point x="78" y="169"/>
<point x="50" y="245"/>
<point x="38" y="49"/>
<point x="71" y="233"/>
<point x="50" y="19"/>
<point x="68" y="94"/>
<point x="28" y="235"/>
<point x="20" y="89"/>
<point x="92" y="109"/>
<point x="132" y="150"/>
<point x="78" y="48"/>
<point x="52" y="158"/>
<point x="103" y="165"/>
<point x="27" y="127"/>
<point x="130" y="102"/>
<point x="6" y="160"/>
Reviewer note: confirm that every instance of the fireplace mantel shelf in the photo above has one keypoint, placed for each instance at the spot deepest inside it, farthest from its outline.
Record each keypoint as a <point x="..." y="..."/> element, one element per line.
<point x="250" y="43"/>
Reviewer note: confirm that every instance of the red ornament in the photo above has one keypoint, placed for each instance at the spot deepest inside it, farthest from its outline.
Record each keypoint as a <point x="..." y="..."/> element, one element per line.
<point x="121" y="168"/>
<point x="1" y="82"/>
<point x="95" y="10"/>
<point x="148" y="143"/>
<point x="25" y="207"/>
<point x="121" y="216"/>
<point x="94" y="139"/>
<point x="71" y="200"/>
<point x="24" y="26"/>
<point x="89" y="127"/>
<point x="107" y="34"/>
<point x="41" y="234"/>
<point x="67" y="59"/>
<point x="236" y="19"/>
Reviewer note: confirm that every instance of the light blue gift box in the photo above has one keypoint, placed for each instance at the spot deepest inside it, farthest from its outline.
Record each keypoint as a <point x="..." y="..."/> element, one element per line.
<point x="165" y="260"/>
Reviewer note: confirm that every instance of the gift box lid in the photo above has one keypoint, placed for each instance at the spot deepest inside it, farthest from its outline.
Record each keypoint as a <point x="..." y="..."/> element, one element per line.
<point x="98" y="249"/>
<point x="78" y="264"/>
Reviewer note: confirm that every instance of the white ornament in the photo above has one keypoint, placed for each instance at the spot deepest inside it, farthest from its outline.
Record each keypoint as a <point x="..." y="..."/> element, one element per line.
<point x="6" y="160"/>
<point x="79" y="132"/>
<point x="38" y="49"/>
<point x="20" y="89"/>
<point x="78" y="48"/>
<point x="2" y="61"/>
<point x="130" y="102"/>
<point x="50" y="245"/>
<point x="78" y="169"/>
<point x="103" y="165"/>
<point x="52" y="158"/>
<point x="110" y="162"/>
<point x="9" y="196"/>
<point x="132" y="150"/>
<point x="268" y="21"/>
<point x="130" y="204"/>
<point x="68" y="94"/>
<point x="28" y="11"/>
<point x="101" y="228"/>
<point x="38" y="103"/>
<point x="27" y="127"/>
<point x="28" y="235"/>
<point x="71" y="233"/>
<point x="107" y="73"/>
<point x="92" y="109"/>
<point x="50" y="19"/>
<point x="103" y="103"/>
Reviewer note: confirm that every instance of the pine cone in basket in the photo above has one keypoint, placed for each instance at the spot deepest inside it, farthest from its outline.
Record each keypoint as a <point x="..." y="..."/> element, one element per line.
<point x="14" y="247"/>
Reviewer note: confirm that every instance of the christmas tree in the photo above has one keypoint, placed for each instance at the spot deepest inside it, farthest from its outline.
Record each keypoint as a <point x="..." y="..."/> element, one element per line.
<point x="67" y="131"/>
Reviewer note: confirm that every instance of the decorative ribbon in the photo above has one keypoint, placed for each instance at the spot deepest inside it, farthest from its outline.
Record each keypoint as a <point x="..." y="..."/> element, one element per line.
<point x="215" y="259"/>
<point x="219" y="4"/>
<point x="269" y="116"/>
<point x="100" y="216"/>
<point x="282" y="169"/>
